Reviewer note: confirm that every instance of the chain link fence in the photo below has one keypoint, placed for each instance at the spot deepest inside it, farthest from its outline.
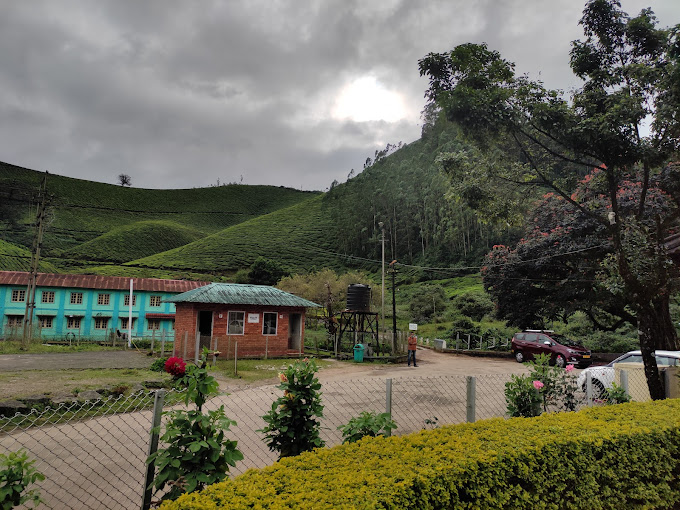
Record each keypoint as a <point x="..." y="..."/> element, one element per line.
<point x="93" y="453"/>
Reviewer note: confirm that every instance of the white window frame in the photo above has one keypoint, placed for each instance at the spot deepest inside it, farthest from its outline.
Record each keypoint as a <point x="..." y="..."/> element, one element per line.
<point x="243" y="322"/>
<point x="15" y="321"/>
<point x="76" y="298"/>
<point x="126" y="300"/>
<point x="154" y="301"/>
<point x="264" y="323"/>
<point x="97" y="325"/>
<point x="18" y="295"/>
<point x="47" y="296"/>
<point x="45" y="321"/>
<point x="124" y="322"/>
<point x="103" y="299"/>
<point x="155" y="322"/>
<point x="73" y="322"/>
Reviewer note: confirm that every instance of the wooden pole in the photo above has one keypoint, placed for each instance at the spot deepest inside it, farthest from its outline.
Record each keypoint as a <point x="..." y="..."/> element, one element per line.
<point x="235" y="359"/>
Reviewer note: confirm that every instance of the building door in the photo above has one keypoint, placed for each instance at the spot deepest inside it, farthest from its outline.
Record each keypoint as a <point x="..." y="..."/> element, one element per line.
<point x="294" y="331"/>
<point x="205" y="324"/>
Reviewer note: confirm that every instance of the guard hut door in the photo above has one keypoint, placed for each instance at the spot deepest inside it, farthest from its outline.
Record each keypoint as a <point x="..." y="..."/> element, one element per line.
<point x="205" y="325"/>
<point x="294" y="331"/>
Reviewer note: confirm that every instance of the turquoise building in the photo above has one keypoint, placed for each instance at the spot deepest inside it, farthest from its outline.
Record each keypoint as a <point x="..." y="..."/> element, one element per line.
<point x="90" y="307"/>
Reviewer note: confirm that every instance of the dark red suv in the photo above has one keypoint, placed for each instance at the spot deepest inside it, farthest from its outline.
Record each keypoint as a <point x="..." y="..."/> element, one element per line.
<point x="562" y="351"/>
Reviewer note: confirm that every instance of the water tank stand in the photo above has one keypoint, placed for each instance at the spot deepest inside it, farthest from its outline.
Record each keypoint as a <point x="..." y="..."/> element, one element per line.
<point x="357" y="327"/>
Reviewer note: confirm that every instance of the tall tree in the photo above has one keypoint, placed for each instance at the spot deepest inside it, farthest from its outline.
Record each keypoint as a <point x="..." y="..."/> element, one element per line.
<point x="126" y="180"/>
<point x="631" y="78"/>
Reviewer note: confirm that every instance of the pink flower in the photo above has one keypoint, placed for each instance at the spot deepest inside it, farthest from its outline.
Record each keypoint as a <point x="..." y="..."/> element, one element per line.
<point x="538" y="385"/>
<point x="175" y="366"/>
<point x="282" y="377"/>
<point x="569" y="368"/>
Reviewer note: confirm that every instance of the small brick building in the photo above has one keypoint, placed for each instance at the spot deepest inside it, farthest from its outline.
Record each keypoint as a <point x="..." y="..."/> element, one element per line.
<point x="254" y="320"/>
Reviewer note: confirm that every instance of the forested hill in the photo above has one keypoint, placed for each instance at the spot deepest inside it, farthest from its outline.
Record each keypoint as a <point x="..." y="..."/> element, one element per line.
<point x="405" y="190"/>
<point x="95" y="227"/>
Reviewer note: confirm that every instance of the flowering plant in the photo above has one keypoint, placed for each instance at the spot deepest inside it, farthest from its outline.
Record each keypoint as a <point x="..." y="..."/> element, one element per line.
<point x="175" y="367"/>
<point x="292" y="423"/>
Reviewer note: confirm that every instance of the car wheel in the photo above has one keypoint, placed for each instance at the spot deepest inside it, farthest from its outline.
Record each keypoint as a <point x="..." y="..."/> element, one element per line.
<point x="560" y="361"/>
<point x="519" y="356"/>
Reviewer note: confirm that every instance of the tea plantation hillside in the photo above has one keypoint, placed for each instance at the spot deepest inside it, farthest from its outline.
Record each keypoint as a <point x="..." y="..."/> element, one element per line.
<point x="18" y="258"/>
<point x="80" y="210"/>
<point x="298" y="237"/>
<point x="135" y="241"/>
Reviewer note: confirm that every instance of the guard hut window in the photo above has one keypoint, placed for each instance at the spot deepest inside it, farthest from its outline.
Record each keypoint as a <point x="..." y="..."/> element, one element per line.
<point x="235" y="324"/>
<point x="269" y="323"/>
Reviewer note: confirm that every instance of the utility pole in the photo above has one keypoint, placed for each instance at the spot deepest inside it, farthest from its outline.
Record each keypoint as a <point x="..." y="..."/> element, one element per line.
<point x="35" y="259"/>
<point x="394" y="308"/>
<point x="382" y="292"/>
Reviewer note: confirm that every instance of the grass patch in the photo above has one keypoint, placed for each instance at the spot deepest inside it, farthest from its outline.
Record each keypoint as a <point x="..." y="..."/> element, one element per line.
<point x="253" y="370"/>
<point x="14" y="347"/>
<point x="19" y="384"/>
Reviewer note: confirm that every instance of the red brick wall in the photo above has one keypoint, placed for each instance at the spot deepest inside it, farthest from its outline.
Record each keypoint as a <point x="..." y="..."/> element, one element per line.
<point x="251" y="344"/>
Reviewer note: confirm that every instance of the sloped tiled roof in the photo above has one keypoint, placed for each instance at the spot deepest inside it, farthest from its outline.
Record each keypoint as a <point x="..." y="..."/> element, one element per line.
<point x="241" y="294"/>
<point x="84" y="281"/>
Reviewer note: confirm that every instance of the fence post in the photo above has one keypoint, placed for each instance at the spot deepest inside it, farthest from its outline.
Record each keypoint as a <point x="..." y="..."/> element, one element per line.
<point x="589" y="389"/>
<point x="457" y="339"/>
<point x="235" y="359"/>
<point x="153" y="447"/>
<point x="153" y="341"/>
<point x="624" y="381"/>
<point x="163" y="344"/>
<point x="388" y="401"/>
<point x="471" y="397"/>
<point x="198" y="347"/>
<point x="668" y="381"/>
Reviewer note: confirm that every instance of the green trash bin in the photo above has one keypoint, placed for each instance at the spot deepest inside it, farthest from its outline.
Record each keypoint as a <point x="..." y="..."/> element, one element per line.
<point x="359" y="353"/>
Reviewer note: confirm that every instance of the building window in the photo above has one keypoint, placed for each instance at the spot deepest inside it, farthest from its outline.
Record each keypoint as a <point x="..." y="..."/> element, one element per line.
<point x="154" y="301"/>
<point x="48" y="296"/>
<point x="235" y="323"/>
<point x="103" y="299"/>
<point x="101" y="322"/>
<point x="269" y="323"/>
<point x="45" y="321"/>
<point x="73" y="322"/>
<point x="124" y="322"/>
<point x="14" y="321"/>
<point x="154" y="324"/>
<point x="18" y="295"/>
<point x="76" y="298"/>
<point x="126" y="300"/>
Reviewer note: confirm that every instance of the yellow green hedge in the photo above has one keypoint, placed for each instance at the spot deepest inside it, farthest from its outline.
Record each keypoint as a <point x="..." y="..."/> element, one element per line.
<point x="623" y="456"/>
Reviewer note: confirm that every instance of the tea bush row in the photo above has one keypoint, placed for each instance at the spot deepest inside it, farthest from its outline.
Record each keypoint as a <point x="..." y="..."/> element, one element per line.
<point x="624" y="456"/>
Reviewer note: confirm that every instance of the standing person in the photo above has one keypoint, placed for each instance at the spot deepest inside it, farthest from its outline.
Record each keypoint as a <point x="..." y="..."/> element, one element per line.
<point x="412" y="345"/>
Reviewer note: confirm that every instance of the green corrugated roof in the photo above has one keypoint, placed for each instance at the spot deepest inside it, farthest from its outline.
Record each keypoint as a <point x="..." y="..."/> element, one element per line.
<point x="240" y="294"/>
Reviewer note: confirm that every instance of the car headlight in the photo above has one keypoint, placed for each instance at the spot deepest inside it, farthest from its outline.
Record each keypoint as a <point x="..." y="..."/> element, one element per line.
<point x="572" y="351"/>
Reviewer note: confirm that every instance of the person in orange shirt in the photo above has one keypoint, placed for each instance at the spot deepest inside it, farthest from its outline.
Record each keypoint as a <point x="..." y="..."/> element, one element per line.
<point x="412" y="345"/>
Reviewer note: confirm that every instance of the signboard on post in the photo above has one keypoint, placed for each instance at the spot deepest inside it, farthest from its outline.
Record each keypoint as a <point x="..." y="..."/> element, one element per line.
<point x="412" y="326"/>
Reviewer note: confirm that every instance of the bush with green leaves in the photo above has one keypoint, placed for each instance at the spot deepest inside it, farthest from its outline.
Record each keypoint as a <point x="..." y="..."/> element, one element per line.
<point x="616" y="395"/>
<point x="545" y="388"/>
<point x="293" y="422"/>
<point x="367" y="424"/>
<point x="474" y="305"/>
<point x="16" y="474"/>
<point x="426" y="302"/>
<point x="158" y="364"/>
<point x="197" y="453"/>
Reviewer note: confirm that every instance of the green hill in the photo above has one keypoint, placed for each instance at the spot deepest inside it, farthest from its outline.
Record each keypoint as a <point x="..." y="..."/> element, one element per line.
<point x="18" y="258"/>
<point x="297" y="237"/>
<point x="81" y="210"/>
<point x="135" y="241"/>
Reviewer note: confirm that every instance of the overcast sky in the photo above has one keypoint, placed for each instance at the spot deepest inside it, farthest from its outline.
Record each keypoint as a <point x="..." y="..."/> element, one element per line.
<point x="179" y="94"/>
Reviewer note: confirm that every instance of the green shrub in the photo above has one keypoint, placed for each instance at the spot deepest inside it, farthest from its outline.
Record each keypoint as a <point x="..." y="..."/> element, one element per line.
<point x="158" y="364"/>
<point x="522" y="398"/>
<point x="197" y="452"/>
<point x="625" y="456"/>
<point x="367" y="424"/>
<point x="292" y="423"/>
<point x="616" y="395"/>
<point x="16" y="474"/>
<point x="474" y="305"/>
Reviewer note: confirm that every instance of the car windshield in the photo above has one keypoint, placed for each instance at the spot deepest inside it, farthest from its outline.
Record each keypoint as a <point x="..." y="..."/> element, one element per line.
<point x="565" y="341"/>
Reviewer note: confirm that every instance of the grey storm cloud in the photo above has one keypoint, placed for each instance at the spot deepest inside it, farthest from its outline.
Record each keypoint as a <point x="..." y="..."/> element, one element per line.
<point x="179" y="94"/>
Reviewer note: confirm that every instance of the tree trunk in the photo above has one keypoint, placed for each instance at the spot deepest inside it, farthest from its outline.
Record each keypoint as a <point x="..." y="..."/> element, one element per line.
<point x="656" y="332"/>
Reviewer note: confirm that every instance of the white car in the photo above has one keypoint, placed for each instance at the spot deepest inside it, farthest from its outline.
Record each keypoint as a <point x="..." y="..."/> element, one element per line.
<point x="603" y="376"/>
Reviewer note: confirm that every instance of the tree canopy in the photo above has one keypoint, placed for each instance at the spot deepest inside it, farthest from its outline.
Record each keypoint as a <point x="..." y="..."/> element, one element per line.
<point x="624" y="119"/>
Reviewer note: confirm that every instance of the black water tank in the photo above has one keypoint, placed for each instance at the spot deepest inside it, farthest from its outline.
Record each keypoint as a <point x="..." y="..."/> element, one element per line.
<point x="359" y="298"/>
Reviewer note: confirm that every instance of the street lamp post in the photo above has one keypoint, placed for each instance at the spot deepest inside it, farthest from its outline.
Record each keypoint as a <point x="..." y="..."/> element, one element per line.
<point x="394" y="308"/>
